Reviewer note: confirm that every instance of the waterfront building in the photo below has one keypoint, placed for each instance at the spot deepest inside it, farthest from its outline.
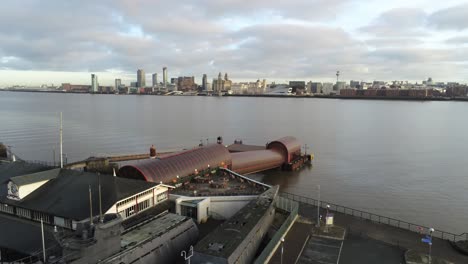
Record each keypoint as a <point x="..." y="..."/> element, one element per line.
<point x="186" y="83"/>
<point x="165" y="77"/>
<point x="88" y="218"/>
<point x="354" y="84"/>
<point x="141" y="79"/>
<point x="222" y="85"/>
<point x="204" y="83"/>
<point x="155" y="79"/>
<point x="339" y="86"/>
<point x="94" y="83"/>
<point x="118" y="83"/>
<point x="298" y="86"/>
<point x="327" y="88"/>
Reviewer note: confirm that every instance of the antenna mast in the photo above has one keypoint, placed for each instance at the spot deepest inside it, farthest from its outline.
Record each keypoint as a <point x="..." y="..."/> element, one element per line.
<point x="101" y="219"/>
<point x="61" y="144"/>
<point x="90" y="207"/>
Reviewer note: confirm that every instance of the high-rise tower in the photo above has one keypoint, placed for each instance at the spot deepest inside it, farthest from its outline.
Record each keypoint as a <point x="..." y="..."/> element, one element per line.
<point x="204" y="82"/>
<point x="94" y="83"/>
<point x="155" y="79"/>
<point x="141" y="80"/>
<point x="165" y="76"/>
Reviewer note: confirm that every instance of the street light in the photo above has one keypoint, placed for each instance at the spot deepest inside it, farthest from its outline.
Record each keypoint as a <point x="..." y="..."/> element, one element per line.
<point x="328" y="208"/>
<point x="318" y="207"/>
<point x="282" y="249"/>
<point x="184" y="254"/>
<point x="431" y="230"/>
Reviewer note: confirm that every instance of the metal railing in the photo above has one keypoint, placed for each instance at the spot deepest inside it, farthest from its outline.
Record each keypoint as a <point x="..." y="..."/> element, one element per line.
<point x="375" y="218"/>
<point x="287" y="205"/>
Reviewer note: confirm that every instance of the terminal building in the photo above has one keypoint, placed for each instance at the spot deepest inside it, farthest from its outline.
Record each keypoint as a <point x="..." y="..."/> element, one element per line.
<point x="87" y="217"/>
<point x="283" y="153"/>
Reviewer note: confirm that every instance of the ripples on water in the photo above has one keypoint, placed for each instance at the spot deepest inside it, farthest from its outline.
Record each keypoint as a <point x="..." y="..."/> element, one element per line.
<point x="396" y="158"/>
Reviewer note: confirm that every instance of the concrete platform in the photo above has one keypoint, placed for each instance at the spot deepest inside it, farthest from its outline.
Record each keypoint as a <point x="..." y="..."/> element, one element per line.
<point x="389" y="236"/>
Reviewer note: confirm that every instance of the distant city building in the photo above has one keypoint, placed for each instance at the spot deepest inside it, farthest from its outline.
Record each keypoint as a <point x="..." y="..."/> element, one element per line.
<point x="298" y="86"/>
<point x="222" y="85"/>
<point x="186" y="83"/>
<point x="327" y="88"/>
<point x="74" y="88"/>
<point x="134" y="84"/>
<point x="94" y="83"/>
<point x="354" y="84"/>
<point x="141" y="79"/>
<point x="155" y="79"/>
<point x="339" y="86"/>
<point x="164" y="77"/>
<point x="118" y="83"/>
<point x="205" y="82"/>
<point x="316" y="87"/>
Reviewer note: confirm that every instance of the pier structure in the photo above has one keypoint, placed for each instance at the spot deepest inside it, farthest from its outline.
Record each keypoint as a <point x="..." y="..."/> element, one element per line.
<point x="284" y="153"/>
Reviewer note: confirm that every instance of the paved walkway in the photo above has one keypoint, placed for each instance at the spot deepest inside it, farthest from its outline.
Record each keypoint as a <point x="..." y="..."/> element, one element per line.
<point x="388" y="234"/>
<point x="321" y="250"/>
<point x="293" y="243"/>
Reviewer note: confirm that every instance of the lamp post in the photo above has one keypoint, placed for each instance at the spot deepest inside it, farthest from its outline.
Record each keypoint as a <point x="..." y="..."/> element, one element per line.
<point x="282" y="249"/>
<point x="184" y="254"/>
<point x="328" y="208"/>
<point x="431" y="230"/>
<point x="318" y="207"/>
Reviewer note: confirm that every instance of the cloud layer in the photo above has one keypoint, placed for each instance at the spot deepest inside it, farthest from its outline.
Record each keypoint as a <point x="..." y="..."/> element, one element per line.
<point x="277" y="40"/>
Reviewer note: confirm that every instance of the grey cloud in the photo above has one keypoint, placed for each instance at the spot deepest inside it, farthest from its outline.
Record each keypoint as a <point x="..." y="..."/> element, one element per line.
<point x="187" y="35"/>
<point x="454" y="18"/>
<point x="458" y="40"/>
<point x="398" y="22"/>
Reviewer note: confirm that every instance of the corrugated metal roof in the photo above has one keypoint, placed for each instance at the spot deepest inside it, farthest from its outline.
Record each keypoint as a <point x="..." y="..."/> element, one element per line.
<point x="243" y="147"/>
<point x="287" y="145"/>
<point x="254" y="161"/>
<point x="182" y="164"/>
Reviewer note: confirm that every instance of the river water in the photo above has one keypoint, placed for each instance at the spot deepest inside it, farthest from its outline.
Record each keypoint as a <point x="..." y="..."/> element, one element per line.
<point x="402" y="159"/>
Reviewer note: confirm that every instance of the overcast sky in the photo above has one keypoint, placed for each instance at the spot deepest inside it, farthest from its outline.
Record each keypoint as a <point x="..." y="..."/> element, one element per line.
<point x="55" y="41"/>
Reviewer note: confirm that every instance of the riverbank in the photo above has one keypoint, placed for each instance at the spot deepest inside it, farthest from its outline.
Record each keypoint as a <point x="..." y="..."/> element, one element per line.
<point x="385" y="98"/>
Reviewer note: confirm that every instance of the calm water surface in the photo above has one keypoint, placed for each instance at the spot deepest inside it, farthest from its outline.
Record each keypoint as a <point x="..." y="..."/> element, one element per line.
<point x="401" y="159"/>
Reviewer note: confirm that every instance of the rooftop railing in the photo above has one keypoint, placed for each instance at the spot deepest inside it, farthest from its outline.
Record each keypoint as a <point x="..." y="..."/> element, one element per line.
<point x="375" y="218"/>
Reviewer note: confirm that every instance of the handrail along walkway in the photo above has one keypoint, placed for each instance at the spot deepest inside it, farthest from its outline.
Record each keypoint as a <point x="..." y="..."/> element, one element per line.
<point x="375" y="217"/>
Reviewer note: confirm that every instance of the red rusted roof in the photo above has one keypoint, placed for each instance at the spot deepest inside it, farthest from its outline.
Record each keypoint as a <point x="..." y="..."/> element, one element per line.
<point x="287" y="145"/>
<point x="182" y="164"/>
<point x="255" y="161"/>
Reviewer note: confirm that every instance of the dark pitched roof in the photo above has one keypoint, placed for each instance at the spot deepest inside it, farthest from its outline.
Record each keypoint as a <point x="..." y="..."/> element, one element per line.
<point x="68" y="194"/>
<point x="12" y="169"/>
<point x="35" y="177"/>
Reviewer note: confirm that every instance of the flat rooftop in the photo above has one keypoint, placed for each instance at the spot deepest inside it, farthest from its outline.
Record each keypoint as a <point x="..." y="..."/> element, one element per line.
<point x="220" y="183"/>
<point x="151" y="229"/>
<point x="225" y="239"/>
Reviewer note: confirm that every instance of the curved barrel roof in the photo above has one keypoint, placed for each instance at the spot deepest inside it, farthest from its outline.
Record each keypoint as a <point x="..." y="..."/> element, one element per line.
<point x="182" y="164"/>
<point x="287" y="145"/>
<point x="255" y="161"/>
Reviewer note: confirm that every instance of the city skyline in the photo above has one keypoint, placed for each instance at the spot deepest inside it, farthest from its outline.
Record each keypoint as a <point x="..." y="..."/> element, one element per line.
<point x="401" y="40"/>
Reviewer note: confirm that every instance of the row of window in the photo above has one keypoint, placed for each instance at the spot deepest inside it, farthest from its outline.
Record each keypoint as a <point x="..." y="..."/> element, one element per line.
<point x="36" y="216"/>
<point x="134" y="198"/>
<point x="6" y="209"/>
